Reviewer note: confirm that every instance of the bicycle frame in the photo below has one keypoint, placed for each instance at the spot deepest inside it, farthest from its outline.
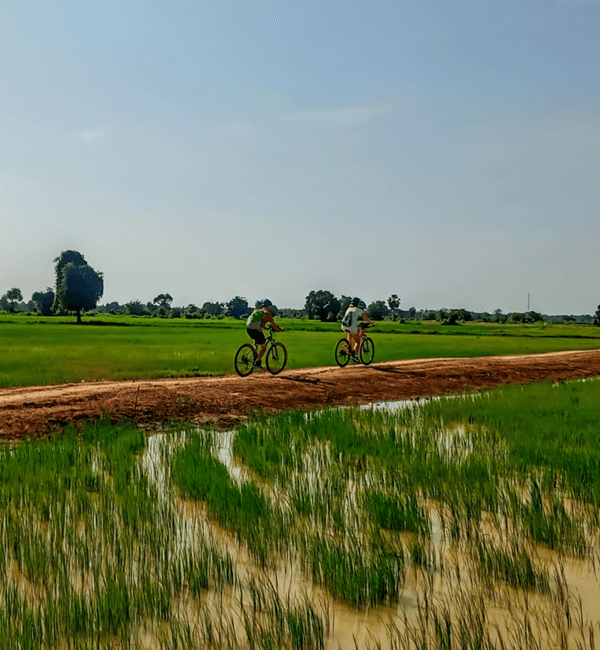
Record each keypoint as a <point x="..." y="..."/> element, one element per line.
<point x="275" y="355"/>
<point x="269" y="340"/>
<point x="365" y="350"/>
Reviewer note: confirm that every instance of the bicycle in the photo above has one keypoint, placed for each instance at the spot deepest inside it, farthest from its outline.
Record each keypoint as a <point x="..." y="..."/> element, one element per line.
<point x="366" y="350"/>
<point x="275" y="356"/>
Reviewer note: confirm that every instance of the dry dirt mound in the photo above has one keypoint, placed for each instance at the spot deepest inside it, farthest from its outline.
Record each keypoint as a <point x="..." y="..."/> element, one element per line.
<point x="226" y="400"/>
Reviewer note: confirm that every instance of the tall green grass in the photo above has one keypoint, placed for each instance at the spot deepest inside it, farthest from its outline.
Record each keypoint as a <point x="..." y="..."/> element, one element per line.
<point x="90" y="552"/>
<point x="525" y="457"/>
<point x="96" y="551"/>
<point x="241" y="509"/>
<point x="108" y="537"/>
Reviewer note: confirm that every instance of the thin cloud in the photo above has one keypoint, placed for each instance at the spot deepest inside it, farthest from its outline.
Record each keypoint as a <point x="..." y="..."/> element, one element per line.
<point x="339" y="117"/>
<point x="91" y="135"/>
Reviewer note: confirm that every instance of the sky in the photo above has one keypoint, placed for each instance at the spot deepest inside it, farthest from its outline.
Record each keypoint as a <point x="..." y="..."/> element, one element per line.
<point x="446" y="152"/>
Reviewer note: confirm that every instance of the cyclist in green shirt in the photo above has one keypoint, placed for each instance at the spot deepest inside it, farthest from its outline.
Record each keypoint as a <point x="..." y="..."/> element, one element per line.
<point x="258" y="319"/>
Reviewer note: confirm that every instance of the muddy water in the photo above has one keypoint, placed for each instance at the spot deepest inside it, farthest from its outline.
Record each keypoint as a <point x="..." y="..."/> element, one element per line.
<point x="574" y="621"/>
<point x="347" y="626"/>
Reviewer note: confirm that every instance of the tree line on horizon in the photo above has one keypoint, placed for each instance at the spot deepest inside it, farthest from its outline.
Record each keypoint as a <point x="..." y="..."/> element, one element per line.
<point x="78" y="287"/>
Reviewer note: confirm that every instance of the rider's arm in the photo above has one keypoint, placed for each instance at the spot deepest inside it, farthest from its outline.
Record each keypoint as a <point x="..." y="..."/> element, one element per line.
<point x="365" y="317"/>
<point x="268" y="318"/>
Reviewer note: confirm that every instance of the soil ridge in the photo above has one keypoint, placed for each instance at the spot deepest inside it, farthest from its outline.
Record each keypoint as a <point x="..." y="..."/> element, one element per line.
<point x="224" y="401"/>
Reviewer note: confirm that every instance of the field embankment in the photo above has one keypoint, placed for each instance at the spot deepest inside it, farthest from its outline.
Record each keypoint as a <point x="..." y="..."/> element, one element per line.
<point x="36" y="351"/>
<point x="226" y="400"/>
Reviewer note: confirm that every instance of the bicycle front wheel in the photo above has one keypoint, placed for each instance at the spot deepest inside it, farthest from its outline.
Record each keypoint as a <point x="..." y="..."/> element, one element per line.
<point x="244" y="360"/>
<point x="342" y="353"/>
<point x="276" y="358"/>
<point x="367" y="350"/>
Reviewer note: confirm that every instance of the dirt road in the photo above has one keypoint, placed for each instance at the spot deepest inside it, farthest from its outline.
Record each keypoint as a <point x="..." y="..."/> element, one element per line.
<point x="35" y="411"/>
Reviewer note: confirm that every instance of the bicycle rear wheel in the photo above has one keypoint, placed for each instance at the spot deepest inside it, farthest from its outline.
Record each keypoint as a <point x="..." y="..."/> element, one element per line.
<point x="367" y="350"/>
<point x="342" y="353"/>
<point x="244" y="359"/>
<point x="276" y="358"/>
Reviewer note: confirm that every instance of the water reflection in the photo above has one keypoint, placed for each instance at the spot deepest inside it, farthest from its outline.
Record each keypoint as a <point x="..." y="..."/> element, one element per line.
<point x="451" y="584"/>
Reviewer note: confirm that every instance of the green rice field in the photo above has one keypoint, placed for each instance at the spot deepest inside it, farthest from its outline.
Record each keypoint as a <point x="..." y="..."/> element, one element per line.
<point x="467" y="522"/>
<point x="40" y="351"/>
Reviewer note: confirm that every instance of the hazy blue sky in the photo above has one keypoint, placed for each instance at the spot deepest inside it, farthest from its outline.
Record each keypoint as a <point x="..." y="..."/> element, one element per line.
<point x="444" y="150"/>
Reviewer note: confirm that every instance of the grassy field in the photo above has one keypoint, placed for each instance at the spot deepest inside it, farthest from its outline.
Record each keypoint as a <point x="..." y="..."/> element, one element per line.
<point x="452" y="523"/>
<point x="36" y="350"/>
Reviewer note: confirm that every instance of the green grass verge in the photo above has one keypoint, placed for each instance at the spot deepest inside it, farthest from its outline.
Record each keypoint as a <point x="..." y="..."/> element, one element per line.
<point x="36" y="350"/>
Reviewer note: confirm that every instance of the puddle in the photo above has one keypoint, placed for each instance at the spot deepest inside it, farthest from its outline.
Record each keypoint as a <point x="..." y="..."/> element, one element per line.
<point x="452" y="587"/>
<point x="447" y="586"/>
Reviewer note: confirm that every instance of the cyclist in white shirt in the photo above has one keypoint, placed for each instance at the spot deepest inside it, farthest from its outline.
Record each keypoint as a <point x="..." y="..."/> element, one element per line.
<point x="350" y="325"/>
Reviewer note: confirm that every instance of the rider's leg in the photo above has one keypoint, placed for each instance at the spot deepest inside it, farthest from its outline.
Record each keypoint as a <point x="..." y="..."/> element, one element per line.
<point x="360" y="334"/>
<point x="261" y="353"/>
<point x="348" y="340"/>
<point x="258" y="338"/>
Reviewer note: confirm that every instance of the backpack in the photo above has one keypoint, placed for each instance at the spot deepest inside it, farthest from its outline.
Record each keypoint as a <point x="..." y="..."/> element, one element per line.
<point x="255" y="319"/>
<point x="347" y="320"/>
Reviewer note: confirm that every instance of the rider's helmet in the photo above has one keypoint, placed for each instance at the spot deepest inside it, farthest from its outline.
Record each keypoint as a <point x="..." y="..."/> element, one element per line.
<point x="355" y="301"/>
<point x="266" y="303"/>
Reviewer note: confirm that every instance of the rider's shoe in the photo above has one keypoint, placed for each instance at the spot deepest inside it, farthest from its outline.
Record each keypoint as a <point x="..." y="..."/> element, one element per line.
<point x="257" y="364"/>
<point x="355" y="357"/>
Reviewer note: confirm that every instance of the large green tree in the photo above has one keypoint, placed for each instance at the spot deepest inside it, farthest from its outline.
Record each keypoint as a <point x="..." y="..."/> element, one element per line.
<point x="43" y="301"/>
<point x="78" y="286"/>
<point x="394" y="305"/>
<point x="12" y="297"/>
<point x="532" y="317"/>
<point x="322" y="305"/>
<point x="453" y="316"/>
<point x="135" y="308"/>
<point x="163" y="300"/>
<point x="238" y="307"/>
<point x="597" y="317"/>
<point x="378" y="310"/>
<point x="213" y="308"/>
<point x="66" y="257"/>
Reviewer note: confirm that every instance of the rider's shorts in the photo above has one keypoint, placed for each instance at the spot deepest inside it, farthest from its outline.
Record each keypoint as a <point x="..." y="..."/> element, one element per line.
<point x="256" y="335"/>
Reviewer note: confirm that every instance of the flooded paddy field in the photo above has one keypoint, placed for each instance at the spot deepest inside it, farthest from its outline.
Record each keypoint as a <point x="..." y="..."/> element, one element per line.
<point x="449" y="523"/>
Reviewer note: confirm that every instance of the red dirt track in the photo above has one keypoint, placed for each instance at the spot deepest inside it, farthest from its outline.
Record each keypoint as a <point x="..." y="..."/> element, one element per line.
<point x="224" y="401"/>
